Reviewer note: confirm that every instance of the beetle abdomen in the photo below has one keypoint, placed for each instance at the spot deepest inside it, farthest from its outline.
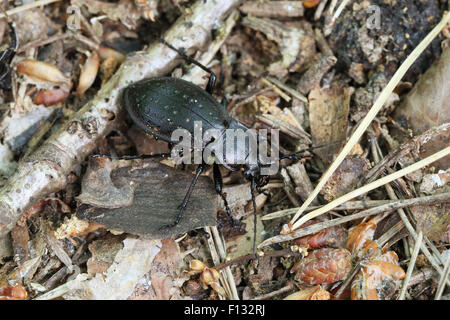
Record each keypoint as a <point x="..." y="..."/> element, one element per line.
<point x="163" y="104"/>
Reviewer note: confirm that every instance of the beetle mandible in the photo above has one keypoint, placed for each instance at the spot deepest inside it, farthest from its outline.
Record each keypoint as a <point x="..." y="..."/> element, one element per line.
<point x="160" y="105"/>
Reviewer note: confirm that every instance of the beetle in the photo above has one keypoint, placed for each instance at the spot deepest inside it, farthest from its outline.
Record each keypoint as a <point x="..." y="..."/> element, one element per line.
<point x="160" y="105"/>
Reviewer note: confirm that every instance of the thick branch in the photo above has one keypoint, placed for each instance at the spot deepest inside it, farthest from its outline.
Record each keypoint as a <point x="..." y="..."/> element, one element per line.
<point x="45" y="171"/>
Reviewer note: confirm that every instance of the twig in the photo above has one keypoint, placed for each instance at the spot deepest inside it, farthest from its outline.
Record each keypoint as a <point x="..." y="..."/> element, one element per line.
<point x="242" y="259"/>
<point x="372" y="113"/>
<point x="288" y="89"/>
<point x="373" y="185"/>
<point x="438" y="198"/>
<point x="349" y="205"/>
<point x="444" y="280"/>
<point x="277" y="90"/>
<point x="275" y="293"/>
<point x="411" y="265"/>
<point x="396" y="228"/>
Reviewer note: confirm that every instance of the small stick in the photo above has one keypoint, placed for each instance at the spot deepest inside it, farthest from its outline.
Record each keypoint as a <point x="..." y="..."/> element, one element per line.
<point x="372" y="113"/>
<point x="288" y="89"/>
<point x="443" y="281"/>
<point x="242" y="259"/>
<point x="411" y="265"/>
<point x="373" y="185"/>
<point x="396" y="228"/>
<point x="277" y="90"/>
<point x="275" y="293"/>
<point x="349" y="278"/>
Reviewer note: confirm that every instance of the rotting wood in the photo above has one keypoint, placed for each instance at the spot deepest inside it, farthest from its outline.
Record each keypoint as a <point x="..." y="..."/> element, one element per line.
<point x="45" y="171"/>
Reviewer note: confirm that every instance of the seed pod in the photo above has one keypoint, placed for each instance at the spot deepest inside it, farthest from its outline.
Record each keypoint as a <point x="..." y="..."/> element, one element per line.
<point x="49" y="97"/>
<point x="42" y="71"/>
<point x="196" y="265"/>
<point x="105" y="53"/>
<point x="88" y="73"/>
<point x="323" y="266"/>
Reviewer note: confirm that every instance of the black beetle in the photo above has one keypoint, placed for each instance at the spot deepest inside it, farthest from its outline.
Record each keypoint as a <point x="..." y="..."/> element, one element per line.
<point x="160" y="105"/>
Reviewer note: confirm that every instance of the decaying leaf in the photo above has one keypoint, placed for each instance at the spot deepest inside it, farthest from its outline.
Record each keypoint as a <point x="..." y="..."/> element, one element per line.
<point x="328" y="113"/>
<point x="345" y="178"/>
<point x="292" y="38"/>
<point x="428" y="103"/>
<point x="118" y="282"/>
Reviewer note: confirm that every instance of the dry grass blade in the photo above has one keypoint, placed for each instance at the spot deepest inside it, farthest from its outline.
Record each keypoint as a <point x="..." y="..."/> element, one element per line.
<point x="439" y="198"/>
<point x="378" y="183"/>
<point x="412" y="263"/>
<point x="371" y="115"/>
<point x="443" y="280"/>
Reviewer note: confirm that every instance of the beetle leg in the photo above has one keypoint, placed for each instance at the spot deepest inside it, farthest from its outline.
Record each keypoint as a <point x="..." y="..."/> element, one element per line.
<point x="212" y="75"/>
<point x="219" y="184"/>
<point x="200" y="169"/>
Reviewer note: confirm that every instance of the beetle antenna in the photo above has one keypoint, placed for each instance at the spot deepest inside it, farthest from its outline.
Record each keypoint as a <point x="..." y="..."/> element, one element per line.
<point x="252" y="186"/>
<point x="298" y="156"/>
<point x="212" y="77"/>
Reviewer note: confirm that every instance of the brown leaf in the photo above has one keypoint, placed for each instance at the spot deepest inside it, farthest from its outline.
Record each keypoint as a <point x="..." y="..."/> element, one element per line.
<point x="328" y="111"/>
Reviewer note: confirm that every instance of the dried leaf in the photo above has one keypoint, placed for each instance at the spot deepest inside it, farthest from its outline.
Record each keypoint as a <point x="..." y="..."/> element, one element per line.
<point x="42" y="71"/>
<point x="428" y="103"/>
<point x="328" y="111"/>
